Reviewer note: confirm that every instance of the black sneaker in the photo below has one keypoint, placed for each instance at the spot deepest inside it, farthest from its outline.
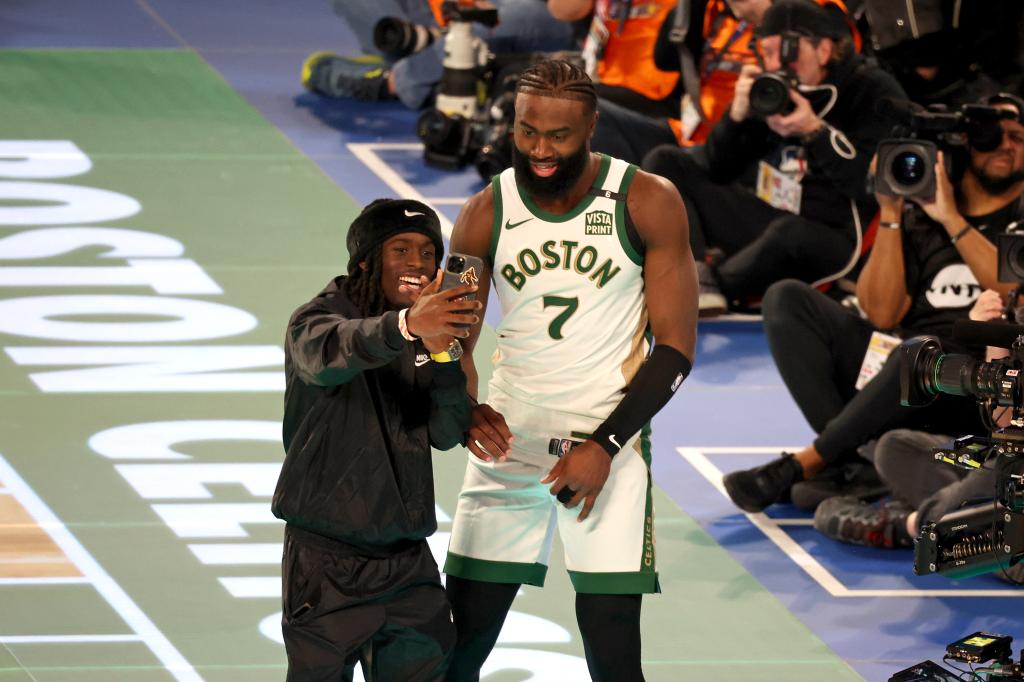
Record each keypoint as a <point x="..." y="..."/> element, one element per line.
<point x="857" y="479"/>
<point x="754" y="489"/>
<point x="849" y="520"/>
<point x="363" y="78"/>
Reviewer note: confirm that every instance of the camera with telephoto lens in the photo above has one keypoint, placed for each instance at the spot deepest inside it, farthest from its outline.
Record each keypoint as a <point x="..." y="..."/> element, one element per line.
<point x="906" y="162"/>
<point x="397" y="38"/>
<point x="450" y="129"/>
<point x="769" y="93"/>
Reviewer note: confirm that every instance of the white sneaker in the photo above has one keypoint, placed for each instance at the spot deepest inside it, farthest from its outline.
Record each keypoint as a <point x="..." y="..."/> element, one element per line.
<point x="711" y="302"/>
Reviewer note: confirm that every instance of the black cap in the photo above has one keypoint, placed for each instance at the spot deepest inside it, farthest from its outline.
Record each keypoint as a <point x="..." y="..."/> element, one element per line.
<point x="1006" y="98"/>
<point x="804" y="17"/>
<point x="383" y="219"/>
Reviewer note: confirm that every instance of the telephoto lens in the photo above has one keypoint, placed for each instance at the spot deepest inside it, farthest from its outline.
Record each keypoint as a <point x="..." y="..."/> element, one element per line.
<point x="397" y="38"/>
<point x="769" y="94"/>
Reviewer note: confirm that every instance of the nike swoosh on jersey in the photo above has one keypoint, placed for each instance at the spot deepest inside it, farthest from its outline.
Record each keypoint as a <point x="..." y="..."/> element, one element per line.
<point x="511" y="225"/>
<point x="422" y="360"/>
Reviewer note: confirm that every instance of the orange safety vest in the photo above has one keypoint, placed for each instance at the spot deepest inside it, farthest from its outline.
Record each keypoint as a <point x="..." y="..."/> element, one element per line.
<point x="628" y="57"/>
<point x="727" y="48"/>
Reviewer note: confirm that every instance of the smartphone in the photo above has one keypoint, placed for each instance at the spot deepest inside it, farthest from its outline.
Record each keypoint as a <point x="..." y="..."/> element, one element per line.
<point x="461" y="269"/>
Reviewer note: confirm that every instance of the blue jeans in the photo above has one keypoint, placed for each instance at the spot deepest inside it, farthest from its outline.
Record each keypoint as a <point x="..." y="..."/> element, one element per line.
<point x="526" y="26"/>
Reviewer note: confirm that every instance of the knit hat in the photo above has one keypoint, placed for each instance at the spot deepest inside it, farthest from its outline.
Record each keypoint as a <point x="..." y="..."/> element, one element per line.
<point x="383" y="219"/>
<point x="805" y="17"/>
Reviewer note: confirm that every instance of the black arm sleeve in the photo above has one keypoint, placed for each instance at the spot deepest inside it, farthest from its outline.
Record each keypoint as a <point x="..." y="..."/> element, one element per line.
<point x="666" y="55"/>
<point x="650" y="390"/>
<point x="449" y="405"/>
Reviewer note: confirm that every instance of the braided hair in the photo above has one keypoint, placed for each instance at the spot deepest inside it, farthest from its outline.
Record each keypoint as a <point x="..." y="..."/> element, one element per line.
<point x="559" y="78"/>
<point x="363" y="287"/>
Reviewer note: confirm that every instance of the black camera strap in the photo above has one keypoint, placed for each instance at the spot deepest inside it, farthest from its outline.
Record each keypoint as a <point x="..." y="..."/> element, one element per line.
<point x="687" y="65"/>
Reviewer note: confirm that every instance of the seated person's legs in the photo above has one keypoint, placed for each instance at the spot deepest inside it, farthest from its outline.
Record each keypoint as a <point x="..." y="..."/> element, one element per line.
<point x="627" y="135"/>
<point x="818" y="346"/>
<point x="791" y="246"/>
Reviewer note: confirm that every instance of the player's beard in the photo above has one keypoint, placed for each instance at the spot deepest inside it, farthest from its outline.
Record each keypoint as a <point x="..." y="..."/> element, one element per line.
<point x="996" y="185"/>
<point x="570" y="168"/>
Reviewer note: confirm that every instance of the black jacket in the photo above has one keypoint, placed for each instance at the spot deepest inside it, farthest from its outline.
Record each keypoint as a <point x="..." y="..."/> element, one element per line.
<point x="362" y="407"/>
<point x="834" y="175"/>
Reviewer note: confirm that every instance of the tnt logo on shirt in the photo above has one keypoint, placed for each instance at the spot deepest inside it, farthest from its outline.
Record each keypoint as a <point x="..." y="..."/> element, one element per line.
<point x="953" y="287"/>
<point x="599" y="223"/>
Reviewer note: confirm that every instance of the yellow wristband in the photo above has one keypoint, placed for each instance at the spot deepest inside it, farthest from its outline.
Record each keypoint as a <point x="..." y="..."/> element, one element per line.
<point x="453" y="353"/>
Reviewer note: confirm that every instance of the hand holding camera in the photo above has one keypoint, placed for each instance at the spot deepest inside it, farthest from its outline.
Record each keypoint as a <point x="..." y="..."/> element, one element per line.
<point x="740" y="108"/>
<point x="800" y="121"/>
<point x="942" y="206"/>
<point x="438" y="316"/>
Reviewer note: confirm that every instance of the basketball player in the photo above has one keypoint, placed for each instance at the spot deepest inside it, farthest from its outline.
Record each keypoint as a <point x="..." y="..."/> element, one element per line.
<point x="589" y="257"/>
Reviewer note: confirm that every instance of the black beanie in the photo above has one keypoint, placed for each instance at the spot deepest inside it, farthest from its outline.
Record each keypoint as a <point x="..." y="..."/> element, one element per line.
<point x="383" y="219"/>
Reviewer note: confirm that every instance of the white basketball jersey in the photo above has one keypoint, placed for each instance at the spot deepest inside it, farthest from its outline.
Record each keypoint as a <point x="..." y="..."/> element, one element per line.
<point x="571" y="287"/>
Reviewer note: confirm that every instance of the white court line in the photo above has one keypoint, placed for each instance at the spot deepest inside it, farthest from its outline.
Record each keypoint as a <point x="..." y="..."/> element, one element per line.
<point x="801" y="557"/>
<point x="67" y="639"/>
<point x="101" y="580"/>
<point x="45" y="581"/>
<point x="367" y="153"/>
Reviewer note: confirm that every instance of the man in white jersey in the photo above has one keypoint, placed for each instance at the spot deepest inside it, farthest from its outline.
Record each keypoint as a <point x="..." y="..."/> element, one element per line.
<point x="589" y="258"/>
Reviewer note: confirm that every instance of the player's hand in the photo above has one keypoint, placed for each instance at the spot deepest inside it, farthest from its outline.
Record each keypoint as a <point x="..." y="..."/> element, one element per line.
<point x="740" y="107"/>
<point x="488" y="437"/>
<point x="989" y="306"/>
<point x="583" y="469"/>
<point x="436" y="312"/>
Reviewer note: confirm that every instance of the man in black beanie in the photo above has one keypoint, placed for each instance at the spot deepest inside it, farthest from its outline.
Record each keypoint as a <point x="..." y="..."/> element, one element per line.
<point x="373" y="380"/>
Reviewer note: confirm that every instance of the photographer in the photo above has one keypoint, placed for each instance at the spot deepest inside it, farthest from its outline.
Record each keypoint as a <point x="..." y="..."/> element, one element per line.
<point x="923" y="490"/>
<point x="918" y="280"/>
<point x="525" y="26"/>
<point x="784" y="195"/>
<point x="372" y="382"/>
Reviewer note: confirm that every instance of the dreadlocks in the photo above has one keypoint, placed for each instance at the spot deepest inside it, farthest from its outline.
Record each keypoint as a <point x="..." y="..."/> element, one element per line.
<point x="363" y="287"/>
<point x="558" y="78"/>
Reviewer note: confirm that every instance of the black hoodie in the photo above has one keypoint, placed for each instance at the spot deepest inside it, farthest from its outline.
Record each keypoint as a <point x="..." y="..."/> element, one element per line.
<point x="362" y="407"/>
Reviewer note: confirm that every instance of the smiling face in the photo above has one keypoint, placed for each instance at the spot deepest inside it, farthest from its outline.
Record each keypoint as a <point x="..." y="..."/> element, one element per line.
<point x="550" y="143"/>
<point x="404" y="259"/>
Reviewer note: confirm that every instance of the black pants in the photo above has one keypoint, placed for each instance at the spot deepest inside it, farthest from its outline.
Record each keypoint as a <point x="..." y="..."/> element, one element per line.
<point x="388" y="614"/>
<point x="819" y="347"/>
<point x="762" y="244"/>
<point x="609" y="625"/>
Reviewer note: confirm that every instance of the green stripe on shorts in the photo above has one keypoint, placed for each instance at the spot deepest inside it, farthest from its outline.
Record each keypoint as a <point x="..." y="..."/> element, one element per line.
<point x="495" y="571"/>
<point x="632" y="582"/>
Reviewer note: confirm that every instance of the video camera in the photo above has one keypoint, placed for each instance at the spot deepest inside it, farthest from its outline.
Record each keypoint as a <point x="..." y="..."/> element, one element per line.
<point x="990" y="536"/>
<point x="906" y="162"/>
<point x="979" y="647"/>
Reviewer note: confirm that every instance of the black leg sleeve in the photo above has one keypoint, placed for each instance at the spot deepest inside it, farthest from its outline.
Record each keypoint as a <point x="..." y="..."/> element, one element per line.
<point x="610" y="626"/>
<point x="479" y="611"/>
